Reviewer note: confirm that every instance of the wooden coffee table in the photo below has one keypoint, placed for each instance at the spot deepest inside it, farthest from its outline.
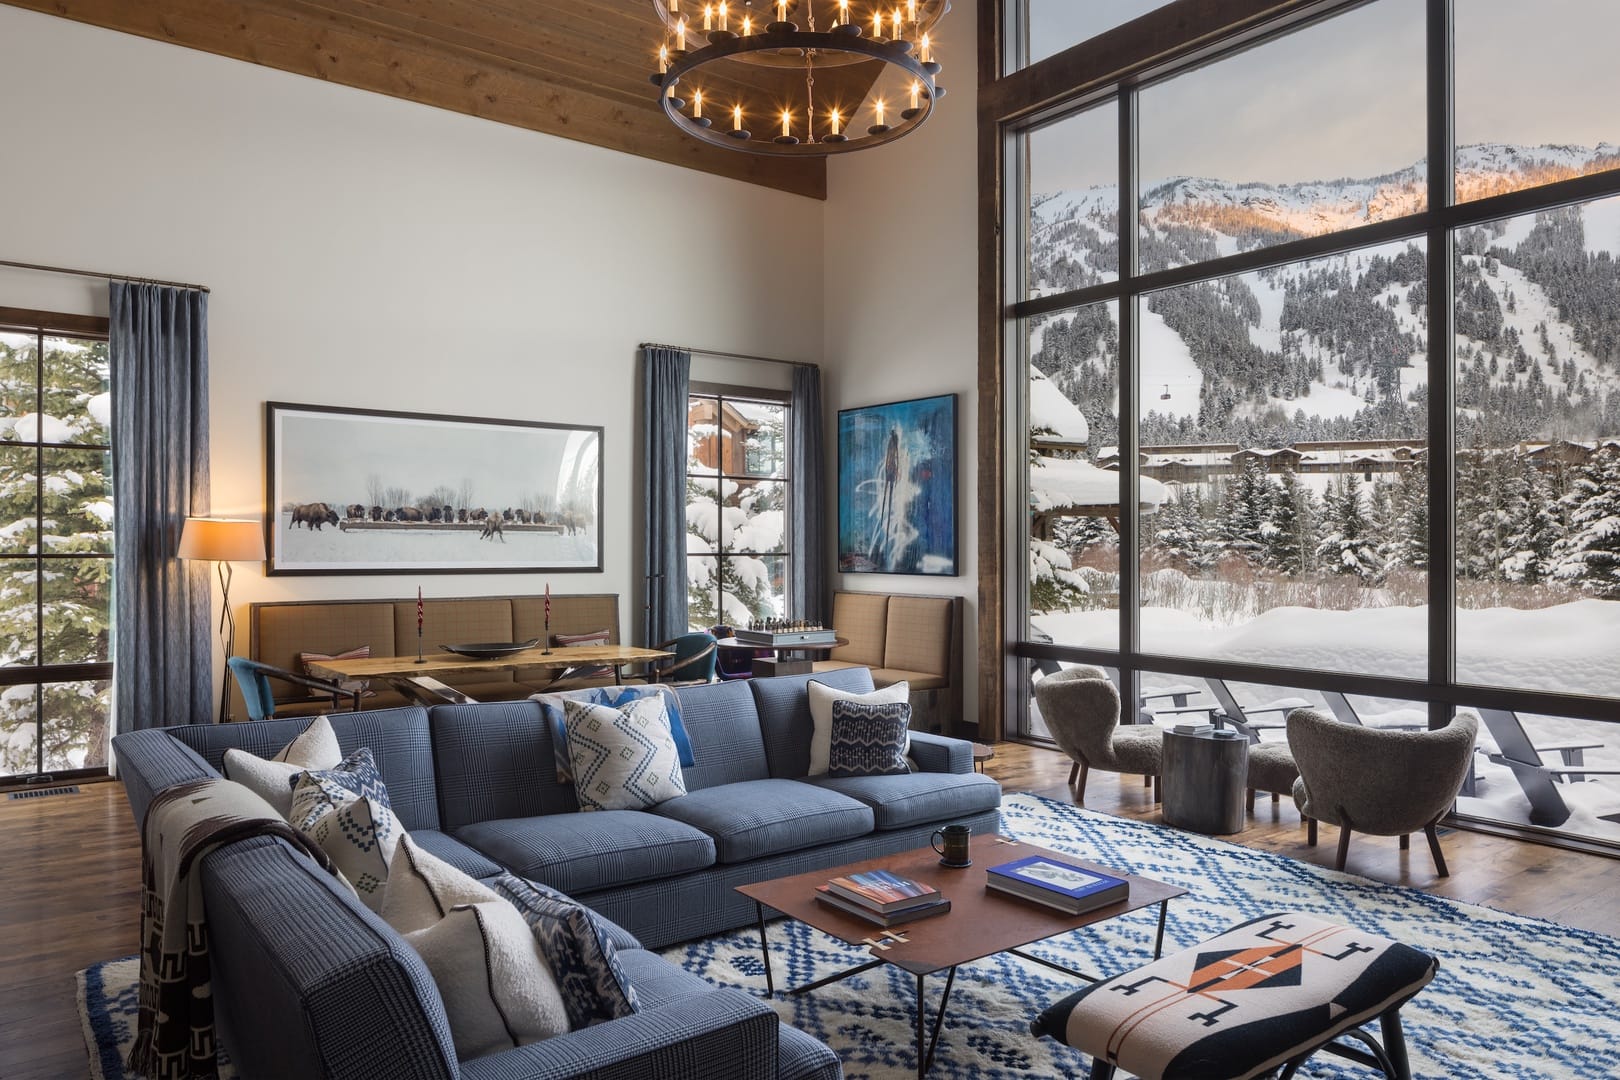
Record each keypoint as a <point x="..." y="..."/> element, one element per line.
<point x="980" y="923"/>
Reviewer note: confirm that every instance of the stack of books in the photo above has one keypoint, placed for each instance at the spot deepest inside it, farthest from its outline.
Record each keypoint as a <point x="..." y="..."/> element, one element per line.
<point x="883" y="898"/>
<point x="1071" y="889"/>
<point x="1188" y="728"/>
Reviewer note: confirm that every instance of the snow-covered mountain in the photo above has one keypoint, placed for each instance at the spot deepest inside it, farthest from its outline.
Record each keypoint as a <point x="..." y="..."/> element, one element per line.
<point x="1335" y="348"/>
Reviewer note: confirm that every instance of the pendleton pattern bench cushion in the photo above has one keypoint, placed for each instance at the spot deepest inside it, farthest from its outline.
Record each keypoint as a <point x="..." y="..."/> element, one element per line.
<point x="1241" y="1003"/>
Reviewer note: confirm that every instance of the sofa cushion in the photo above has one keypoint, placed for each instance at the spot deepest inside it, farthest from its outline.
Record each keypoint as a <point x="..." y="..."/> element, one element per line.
<point x="916" y="680"/>
<point x="578" y="853"/>
<point x="449" y="849"/>
<point x="551" y="707"/>
<point x="767" y="817"/>
<point x="496" y="762"/>
<point x="917" y="798"/>
<point x="918" y="634"/>
<point x="868" y="739"/>
<point x="623" y="757"/>
<point x="584" y="960"/>
<point x="784" y="715"/>
<point x="859" y="619"/>
<point x="398" y="739"/>
<point x="723" y="727"/>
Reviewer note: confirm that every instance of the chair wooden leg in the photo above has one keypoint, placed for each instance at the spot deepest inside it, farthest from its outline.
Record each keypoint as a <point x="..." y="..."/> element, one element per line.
<point x="1249" y="802"/>
<point x="1310" y="831"/>
<point x="1074" y="771"/>
<point x="1344" y="846"/>
<point x="1085" y="773"/>
<point x="1146" y="779"/>
<point x="1406" y="841"/>
<point x="1389" y="1023"/>
<point x="1434" y="849"/>
<point x="1101" y="1070"/>
<point x="1276" y="796"/>
<point x="1156" y="788"/>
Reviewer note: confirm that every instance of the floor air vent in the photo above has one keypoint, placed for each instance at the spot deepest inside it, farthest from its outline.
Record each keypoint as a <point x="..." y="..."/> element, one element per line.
<point x="42" y="793"/>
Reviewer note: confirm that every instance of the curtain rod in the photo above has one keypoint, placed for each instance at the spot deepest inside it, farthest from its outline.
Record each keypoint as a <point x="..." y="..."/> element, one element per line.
<point x="99" y="274"/>
<point x="725" y="355"/>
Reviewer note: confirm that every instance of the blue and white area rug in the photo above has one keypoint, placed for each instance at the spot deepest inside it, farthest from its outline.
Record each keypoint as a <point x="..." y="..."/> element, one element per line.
<point x="1515" y="997"/>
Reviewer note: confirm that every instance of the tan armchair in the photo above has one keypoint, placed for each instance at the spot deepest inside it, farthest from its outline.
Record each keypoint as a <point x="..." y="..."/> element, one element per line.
<point x="1378" y="781"/>
<point x="1081" y="710"/>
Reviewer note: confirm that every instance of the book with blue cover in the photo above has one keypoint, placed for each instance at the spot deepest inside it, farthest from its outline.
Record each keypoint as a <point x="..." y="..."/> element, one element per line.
<point x="1065" y="886"/>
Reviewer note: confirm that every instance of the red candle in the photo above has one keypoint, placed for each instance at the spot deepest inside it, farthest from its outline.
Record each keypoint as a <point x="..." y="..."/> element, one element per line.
<point x="419" y="609"/>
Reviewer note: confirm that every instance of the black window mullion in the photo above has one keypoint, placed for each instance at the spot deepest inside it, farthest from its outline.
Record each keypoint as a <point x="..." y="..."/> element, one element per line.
<point x="1129" y="389"/>
<point x="1442" y="614"/>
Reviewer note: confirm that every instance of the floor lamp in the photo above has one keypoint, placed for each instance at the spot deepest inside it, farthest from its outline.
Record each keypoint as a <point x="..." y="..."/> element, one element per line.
<point x="223" y="542"/>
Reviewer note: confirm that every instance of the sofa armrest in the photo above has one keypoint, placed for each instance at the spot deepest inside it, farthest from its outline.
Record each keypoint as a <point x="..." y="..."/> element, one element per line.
<point x="721" y="1034"/>
<point x="150" y="760"/>
<point x="941" y="753"/>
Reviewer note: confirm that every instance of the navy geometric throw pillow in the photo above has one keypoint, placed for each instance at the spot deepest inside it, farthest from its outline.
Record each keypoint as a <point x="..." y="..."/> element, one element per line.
<point x="868" y="740"/>
<point x="581" y="956"/>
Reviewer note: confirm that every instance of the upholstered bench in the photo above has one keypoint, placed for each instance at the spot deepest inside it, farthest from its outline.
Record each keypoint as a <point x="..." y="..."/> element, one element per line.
<point x="1269" y="993"/>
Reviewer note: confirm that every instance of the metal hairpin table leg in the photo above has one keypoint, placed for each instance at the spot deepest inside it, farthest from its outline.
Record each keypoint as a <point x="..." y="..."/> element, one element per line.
<point x="765" y="947"/>
<point x="925" y="1054"/>
<point x="1158" y="940"/>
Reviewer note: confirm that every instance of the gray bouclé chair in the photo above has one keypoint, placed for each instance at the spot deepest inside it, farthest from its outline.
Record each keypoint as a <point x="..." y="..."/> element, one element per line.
<point x="1377" y="781"/>
<point x="1081" y="710"/>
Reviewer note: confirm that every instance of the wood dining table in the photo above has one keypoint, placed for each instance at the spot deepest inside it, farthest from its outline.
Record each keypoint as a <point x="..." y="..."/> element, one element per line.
<point x="439" y="663"/>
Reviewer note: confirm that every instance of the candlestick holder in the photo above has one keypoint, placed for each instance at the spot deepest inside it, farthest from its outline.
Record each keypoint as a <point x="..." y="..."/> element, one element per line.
<point x="419" y="658"/>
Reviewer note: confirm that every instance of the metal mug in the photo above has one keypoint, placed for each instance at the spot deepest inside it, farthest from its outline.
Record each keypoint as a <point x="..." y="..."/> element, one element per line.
<point x="955" y="850"/>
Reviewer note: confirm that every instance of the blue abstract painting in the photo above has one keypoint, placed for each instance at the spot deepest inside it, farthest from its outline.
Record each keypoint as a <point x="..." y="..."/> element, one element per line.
<point x="897" y="488"/>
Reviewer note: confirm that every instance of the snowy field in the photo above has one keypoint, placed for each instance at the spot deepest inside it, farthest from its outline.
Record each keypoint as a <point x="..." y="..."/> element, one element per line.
<point x="1569" y="648"/>
<point x="423" y="546"/>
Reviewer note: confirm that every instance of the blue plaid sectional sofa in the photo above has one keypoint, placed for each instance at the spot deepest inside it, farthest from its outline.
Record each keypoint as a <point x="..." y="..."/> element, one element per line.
<point x="309" y="983"/>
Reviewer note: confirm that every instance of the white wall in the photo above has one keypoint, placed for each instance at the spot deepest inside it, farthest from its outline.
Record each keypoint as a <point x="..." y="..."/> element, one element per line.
<point x="901" y="281"/>
<point x="372" y="252"/>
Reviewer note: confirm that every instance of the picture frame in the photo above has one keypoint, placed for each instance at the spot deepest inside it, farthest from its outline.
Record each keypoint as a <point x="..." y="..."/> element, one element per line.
<point x="366" y="491"/>
<point x="897" y="488"/>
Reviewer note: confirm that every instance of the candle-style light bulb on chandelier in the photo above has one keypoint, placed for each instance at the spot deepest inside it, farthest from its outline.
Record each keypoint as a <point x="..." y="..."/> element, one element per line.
<point x="783" y="47"/>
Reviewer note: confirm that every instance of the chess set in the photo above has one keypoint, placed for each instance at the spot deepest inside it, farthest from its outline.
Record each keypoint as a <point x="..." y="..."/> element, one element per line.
<point x="778" y="633"/>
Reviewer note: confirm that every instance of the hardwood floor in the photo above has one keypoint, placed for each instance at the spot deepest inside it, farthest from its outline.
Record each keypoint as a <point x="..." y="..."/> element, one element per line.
<point x="69" y="894"/>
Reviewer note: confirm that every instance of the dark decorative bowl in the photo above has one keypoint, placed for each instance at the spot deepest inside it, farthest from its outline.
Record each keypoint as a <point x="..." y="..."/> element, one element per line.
<point x="490" y="650"/>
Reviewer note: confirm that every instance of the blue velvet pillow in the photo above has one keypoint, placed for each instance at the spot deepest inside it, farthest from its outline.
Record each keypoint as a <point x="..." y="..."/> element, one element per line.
<point x="869" y="739"/>
<point x="551" y="707"/>
<point x="580" y="954"/>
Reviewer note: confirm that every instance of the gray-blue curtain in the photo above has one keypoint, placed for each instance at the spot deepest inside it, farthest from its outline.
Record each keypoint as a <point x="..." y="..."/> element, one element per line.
<point x="807" y="584"/>
<point x="665" y="377"/>
<point x="163" y="648"/>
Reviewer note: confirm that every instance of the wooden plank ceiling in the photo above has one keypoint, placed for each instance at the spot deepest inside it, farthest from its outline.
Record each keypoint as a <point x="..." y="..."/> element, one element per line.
<point x="574" y="68"/>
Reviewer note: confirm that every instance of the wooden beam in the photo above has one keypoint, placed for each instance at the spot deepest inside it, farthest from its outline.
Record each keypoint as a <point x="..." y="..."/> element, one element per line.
<point x="307" y="39"/>
<point x="994" y="657"/>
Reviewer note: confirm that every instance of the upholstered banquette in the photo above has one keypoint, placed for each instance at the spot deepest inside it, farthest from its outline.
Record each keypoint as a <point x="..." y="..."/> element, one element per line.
<point x="911" y="639"/>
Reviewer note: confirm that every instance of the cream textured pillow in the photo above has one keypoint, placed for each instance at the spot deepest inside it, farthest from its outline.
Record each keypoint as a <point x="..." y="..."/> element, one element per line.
<point x="822" y="697"/>
<point x="272" y="780"/>
<point x="622" y="758"/>
<point x="497" y="989"/>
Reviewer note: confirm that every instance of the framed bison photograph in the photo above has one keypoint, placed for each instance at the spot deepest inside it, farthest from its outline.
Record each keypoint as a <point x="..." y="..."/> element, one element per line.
<point x="360" y="491"/>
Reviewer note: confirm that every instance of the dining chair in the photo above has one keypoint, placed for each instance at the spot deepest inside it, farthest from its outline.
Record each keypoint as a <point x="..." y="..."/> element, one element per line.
<point x="254" y="680"/>
<point x="693" y="662"/>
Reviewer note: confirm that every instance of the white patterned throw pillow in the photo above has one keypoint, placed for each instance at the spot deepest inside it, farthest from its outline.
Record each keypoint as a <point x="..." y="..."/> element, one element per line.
<point x="622" y="758"/>
<point x="346" y="811"/>
<point x="497" y="987"/>
<point x="822" y="697"/>
<point x="272" y="780"/>
<point x="580" y="955"/>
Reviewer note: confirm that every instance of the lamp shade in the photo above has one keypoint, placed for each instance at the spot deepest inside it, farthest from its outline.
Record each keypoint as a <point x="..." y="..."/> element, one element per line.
<point x="222" y="541"/>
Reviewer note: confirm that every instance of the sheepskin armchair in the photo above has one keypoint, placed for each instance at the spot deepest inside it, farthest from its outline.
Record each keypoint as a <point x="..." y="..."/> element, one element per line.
<point x="1377" y="781"/>
<point x="1081" y="709"/>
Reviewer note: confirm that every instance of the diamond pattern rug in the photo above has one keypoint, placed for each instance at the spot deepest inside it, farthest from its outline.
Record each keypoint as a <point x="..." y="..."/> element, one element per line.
<point x="1515" y="997"/>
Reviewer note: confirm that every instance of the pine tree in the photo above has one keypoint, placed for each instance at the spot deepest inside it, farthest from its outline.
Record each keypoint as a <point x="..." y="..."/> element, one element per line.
<point x="1589" y="556"/>
<point x="1247" y="508"/>
<point x="1178" y="530"/>
<point x="1348" y="544"/>
<point x="1289" y="534"/>
<point x="1406" y="543"/>
<point x="1536" y="532"/>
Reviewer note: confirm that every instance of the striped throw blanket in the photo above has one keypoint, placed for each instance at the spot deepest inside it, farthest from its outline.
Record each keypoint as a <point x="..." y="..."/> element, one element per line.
<point x="175" y="1033"/>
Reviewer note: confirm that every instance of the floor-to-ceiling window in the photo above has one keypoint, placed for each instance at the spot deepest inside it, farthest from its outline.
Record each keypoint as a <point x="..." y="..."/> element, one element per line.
<point x="56" y="544"/>
<point x="736" y="507"/>
<point x="1313" y="370"/>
